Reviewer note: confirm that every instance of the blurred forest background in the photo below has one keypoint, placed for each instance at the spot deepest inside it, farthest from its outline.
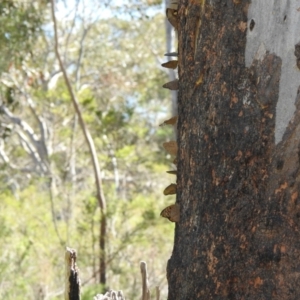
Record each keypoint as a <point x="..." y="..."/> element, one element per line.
<point x="112" y="51"/>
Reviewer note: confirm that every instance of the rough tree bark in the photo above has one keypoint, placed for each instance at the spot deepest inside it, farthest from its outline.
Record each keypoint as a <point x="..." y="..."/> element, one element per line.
<point x="238" y="190"/>
<point x="170" y="36"/>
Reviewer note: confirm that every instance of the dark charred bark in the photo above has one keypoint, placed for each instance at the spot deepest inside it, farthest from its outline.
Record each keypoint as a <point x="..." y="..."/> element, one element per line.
<point x="72" y="283"/>
<point x="238" y="235"/>
<point x="102" y="261"/>
<point x="172" y="75"/>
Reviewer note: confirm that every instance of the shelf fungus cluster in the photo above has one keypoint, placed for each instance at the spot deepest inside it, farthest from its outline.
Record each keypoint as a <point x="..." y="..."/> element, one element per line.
<point x="171" y="212"/>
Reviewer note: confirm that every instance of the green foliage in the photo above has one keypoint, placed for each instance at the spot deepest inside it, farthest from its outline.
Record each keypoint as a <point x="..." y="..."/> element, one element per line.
<point x="30" y="235"/>
<point x="20" y="22"/>
<point x="118" y="85"/>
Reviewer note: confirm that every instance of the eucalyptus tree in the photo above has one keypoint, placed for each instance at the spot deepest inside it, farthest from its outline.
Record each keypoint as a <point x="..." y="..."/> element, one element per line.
<point x="238" y="158"/>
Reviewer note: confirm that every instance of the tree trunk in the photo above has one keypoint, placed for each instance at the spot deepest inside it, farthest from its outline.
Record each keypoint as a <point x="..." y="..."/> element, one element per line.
<point x="72" y="281"/>
<point x="169" y="48"/>
<point x="238" y="190"/>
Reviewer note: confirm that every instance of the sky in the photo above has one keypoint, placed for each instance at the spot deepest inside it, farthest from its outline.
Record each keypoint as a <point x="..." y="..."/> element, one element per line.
<point x="96" y="9"/>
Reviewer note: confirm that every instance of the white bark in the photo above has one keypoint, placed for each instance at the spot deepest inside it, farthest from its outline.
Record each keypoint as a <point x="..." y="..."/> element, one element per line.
<point x="277" y="30"/>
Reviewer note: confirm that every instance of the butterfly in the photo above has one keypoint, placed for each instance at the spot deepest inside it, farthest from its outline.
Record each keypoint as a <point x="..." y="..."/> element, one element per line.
<point x="171" y="212"/>
<point x="174" y="172"/>
<point x="171" y="147"/>
<point x="170" y="189"/>
<point x="171" y="54"/>
<point x="172" y="17"/>
<point x="171" y="121"/>
<point x="172" y="85"/>
<point x="175" y="161"/>
<point x="171" y="64"/>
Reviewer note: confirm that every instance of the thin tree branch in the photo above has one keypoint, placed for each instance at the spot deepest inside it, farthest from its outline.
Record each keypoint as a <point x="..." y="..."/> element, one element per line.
<point x="80" y="56"/>
<point x="52" y="196"/>
<point x="8" y="162"/>
<point x="86" y="132"/>
<point x="25" y="127"/>
<point x="145" y="288"/>
<point x="92" y="150"/>
<point x="32" y="146"/>
<point x="70" y="29"/>
<point x="27" y="146"/>
<point x="71" y="169"/>
<point x="114" y="164"/>
<point x="41" y="145"/>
